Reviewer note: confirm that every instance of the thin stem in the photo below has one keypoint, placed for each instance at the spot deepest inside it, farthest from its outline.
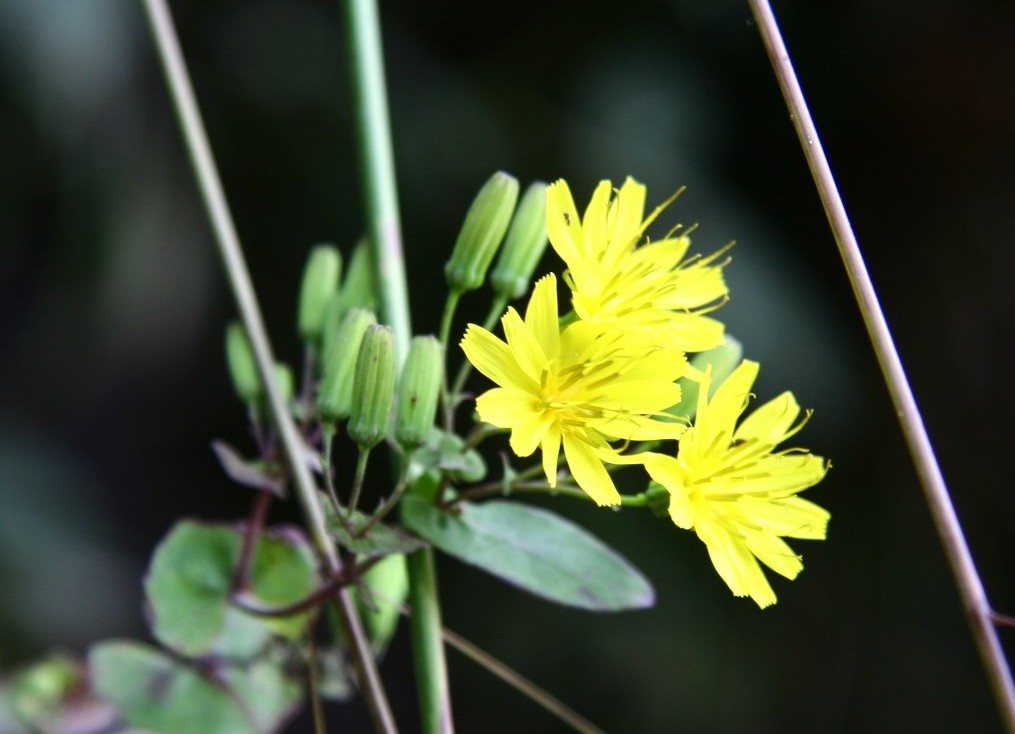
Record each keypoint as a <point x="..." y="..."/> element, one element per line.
<point x="521" y="684"/>
<point x="377" y="164"/>
<point x="315" y="683"/>
<point x="389" y="504"/>
<point x="374" y="134"/>
<point x="329" y="479"/>
<point x="427" y="648"/>
<point x="241" y="578"/>
<point x="357" y="482"/>
<point x="447" y="398"/>
<point x="970" y="586"/>
<point x="210" y="184"/>
<point x="499" y="304"/>
<point x="492" y="489"/>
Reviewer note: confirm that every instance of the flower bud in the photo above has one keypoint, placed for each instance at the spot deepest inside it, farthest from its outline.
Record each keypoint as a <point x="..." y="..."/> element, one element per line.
<point x="419" y="391"/>
<point x="284" y="380"/>
<point x="526" y="241"/>
<point x="374" y="387"/>
<point x="334" y="401"/>
<point x="241" y="363"/>
<point x="482" y="232"/>
<point x="359" y="288"/>
<point x="320" y="281"/>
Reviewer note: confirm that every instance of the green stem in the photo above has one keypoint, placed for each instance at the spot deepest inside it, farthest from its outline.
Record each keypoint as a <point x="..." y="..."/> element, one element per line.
<point x="949" y="529"/>
<point x="499" y="304"/>
<point x="427" y="645"/>
<point x="357" y="482"/>
<point x="389" y="504"/>
<point x="378" y="171"/>
<point x="377" y="166"/>
<point x="447" y="398"/>
<point x="326" y="469"/>
<point x="210" y="184"/>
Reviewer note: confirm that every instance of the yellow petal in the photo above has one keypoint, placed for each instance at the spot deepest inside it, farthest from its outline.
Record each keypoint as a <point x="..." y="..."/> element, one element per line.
<point x="562" y="223"/>
<point x="493" y="358"/>
<point x="588" y="471"/>
<point x="525" y="350"/>
<point x="551" y="453"/>
<point x="541" y="316"/>
<point x="769" y="423"/>
<point x="505" y="407"/>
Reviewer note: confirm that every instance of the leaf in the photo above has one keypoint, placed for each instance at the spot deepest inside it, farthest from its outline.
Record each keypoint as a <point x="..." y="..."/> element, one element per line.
<point x="380" y="540"/>
<point x="155" y="693"/>
<point x="247" y="473"/>
<point x="535" y="550"/>
<point x="191" y="576"/>
<point x="268" y="695"/>
<point x="446" y="451"/>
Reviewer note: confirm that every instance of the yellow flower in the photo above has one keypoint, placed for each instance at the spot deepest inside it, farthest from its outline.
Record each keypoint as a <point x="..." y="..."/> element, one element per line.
<point x="622" y="286"/>
<point x="574" y="387"/>
<point x="740" y="497"/>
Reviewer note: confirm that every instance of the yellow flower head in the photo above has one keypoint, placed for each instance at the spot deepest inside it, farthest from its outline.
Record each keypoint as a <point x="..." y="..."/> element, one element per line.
<point x="740" y="497"/>
<point x="575" y="387"/>
<point x="622" y="286"/>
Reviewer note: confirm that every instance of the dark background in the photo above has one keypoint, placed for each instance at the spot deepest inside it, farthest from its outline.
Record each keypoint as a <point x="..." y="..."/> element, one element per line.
<point x="112" y="305"/>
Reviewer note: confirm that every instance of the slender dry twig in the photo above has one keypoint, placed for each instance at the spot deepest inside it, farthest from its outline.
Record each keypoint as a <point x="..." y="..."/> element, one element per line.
<point x="235" y="265"/>
<point x="974" y="597"/>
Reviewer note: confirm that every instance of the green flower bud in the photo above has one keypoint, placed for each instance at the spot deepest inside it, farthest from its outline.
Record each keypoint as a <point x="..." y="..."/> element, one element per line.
<point x="526" y="241"/>
<point x="358" y="289"/>
<point x="419" y="391"/>
<point x="374" y="387"/>
<point x="284" y="380"/>
<point x="334" y="401"/>
<point x="482" y="232"/>
<point x="320" y="281"/>
<point x="241" y="363"/>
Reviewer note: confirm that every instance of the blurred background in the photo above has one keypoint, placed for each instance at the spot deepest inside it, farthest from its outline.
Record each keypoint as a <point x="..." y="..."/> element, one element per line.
<point x="112" y="307"/>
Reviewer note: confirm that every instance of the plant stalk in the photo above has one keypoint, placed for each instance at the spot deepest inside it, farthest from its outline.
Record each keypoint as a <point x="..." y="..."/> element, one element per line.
<point x="967" y="579"/>
<point x="428" y="644"/>
<point x="380" y="193"/>
<point x="213" y="195"/>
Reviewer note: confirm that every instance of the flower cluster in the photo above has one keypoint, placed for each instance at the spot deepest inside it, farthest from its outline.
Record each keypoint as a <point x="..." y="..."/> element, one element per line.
<point x="604" y="376"/>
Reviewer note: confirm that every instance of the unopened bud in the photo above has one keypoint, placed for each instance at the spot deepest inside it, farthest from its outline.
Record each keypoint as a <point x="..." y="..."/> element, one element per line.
<point x="240" y="360"/>
<point x="320" y="281"/>
<point x="359" y="289"/>
<point x="284" y="380"/>
<point x="484" y="227"/>
<point x="419" y="391"/>
<point x="524" y="246"/>
<point x="374" y="387"/>
<point x="334" y="401"/>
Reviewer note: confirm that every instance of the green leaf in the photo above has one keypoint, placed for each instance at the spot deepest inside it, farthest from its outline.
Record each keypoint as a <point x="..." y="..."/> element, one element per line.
<point x="535" y="550"/>
<point x="191" y="576"/>
<point x="380" y="597"/>
<point x="446" y="451"/>
<point x="155" y="693"/>
<point x="380" y="540"/>
<point x="42" y="696"/>
<point x="269" y="697"/>
<point x="247" y="473"/>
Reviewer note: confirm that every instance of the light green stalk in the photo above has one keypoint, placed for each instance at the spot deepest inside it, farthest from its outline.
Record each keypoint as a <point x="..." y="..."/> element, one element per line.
<point x="378" y="173"/>
<point x="235" y="266"/>
<point x="967" y="579"/>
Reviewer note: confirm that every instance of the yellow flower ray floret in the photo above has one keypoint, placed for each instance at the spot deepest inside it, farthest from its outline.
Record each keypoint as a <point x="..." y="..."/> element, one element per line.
<point x="622" y="286"/>
<point x="739" y="496"/>
<point x="576" y="389"/>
